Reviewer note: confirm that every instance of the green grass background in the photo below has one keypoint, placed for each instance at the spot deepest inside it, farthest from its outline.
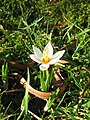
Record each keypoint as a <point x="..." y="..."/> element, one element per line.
<point x="30" y="22"/>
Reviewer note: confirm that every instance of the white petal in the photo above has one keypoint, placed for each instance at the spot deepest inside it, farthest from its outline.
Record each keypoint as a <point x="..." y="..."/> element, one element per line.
<point x="56" y="57"/>
<point x="34" y="58"/>
<point x="50" y="49"/>
<point x="44" y="66"/>
<point x="37" y="52"/>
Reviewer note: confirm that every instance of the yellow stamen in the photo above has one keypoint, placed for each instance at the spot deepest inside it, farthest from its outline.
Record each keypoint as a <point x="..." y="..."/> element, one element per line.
<point x="45" y="59"/>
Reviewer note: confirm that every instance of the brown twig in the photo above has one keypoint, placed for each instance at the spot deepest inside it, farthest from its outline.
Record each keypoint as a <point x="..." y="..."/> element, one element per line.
<point x="85" y="89"/>
<point x="39" y="94"/>
<point x="15" y="90"/>
<point x="70" y="47"/>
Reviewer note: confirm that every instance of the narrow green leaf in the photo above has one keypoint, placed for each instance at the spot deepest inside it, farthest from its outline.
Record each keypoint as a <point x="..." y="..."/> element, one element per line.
<point x="26" y="92"/>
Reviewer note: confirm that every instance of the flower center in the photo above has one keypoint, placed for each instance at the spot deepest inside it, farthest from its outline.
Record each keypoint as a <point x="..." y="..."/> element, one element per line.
<point x="45" y="59"/>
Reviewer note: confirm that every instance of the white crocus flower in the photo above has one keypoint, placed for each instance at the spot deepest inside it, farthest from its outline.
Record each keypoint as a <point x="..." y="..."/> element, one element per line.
<point x="46" y="58"/>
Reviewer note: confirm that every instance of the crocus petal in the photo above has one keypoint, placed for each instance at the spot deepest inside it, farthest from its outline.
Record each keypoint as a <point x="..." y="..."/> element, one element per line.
<point x="37" y="52"/>
<point x="34" y="58"/>
<point x="56" y="57"/>
<point x="44" y="66"/>
<point x="49" y="48"/>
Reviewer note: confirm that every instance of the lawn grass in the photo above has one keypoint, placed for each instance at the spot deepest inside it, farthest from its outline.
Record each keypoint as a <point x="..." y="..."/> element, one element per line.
<point x="26" y="23"/>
